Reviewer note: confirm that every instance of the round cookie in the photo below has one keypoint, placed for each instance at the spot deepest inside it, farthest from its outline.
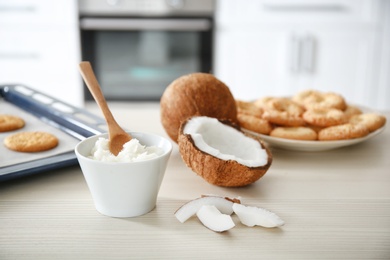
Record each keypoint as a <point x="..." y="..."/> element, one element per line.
<point x="253" y="123"/>
<point x="315" y="128"/>
<point x="262" y="102"/>
<point x="283" y="111"/>
<point x="10" y="123"/>
<point x="296" y="133"/>
<point x="343" y="132"/>
<point x="249" y="108"/>
<point x="351" y="111"/>
<point x="316" y="99"/>
<point x="31" y="142"/>
<point x="371" y="120"/>
<point x="324" y="117"/>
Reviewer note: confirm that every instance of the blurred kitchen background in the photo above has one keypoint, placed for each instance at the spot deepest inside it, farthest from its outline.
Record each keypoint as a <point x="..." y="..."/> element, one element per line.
<point x="257" y="47"/>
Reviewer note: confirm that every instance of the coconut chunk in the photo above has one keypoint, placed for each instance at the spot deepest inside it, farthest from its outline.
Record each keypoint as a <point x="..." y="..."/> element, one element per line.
<point x="220" y="153"/>
<point x="225" y="142"/>
<point x="255" y="216"/>
<point x="213" y="219"/>
<point x="234" y="200"/>
<point x="225" y="205"/>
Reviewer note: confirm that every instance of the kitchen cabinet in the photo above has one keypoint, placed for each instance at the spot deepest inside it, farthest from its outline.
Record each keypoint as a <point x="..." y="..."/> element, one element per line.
<point x="281" y="47"/>
<point x="40" y="47"/>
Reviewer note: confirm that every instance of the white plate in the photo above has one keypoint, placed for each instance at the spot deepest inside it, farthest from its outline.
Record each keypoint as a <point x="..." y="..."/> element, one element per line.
<point x="312" y="146"/>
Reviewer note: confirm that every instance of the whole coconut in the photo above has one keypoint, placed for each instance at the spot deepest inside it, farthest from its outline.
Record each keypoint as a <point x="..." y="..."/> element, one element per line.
<point x="197" y="94"/>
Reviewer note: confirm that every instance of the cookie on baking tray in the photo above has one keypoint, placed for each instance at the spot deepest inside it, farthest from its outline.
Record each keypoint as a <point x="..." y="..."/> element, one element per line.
<point x="10" y="123"/>
<point x="31" y="142"/>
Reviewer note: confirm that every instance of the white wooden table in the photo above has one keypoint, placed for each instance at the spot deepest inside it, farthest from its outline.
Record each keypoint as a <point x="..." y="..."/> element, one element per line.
<point x="336" y="205"/>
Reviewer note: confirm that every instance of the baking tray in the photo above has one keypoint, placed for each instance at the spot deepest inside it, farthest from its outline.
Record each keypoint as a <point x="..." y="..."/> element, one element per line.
<point x="72" y="122"/>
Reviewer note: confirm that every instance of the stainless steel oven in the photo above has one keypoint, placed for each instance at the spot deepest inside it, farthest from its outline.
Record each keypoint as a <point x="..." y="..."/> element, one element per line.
<point x="138" y="47"/>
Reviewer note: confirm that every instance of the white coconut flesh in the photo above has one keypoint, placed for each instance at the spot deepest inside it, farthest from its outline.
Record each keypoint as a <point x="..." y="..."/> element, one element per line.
<point x="213" y="219"/>
<point x="225" y="142"/>
<point x="190" y="208"/>
<point x="255" y="216"/>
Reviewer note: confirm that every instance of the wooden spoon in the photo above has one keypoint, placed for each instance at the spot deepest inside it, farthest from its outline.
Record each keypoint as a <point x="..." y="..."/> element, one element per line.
<point x="118" y="137"/>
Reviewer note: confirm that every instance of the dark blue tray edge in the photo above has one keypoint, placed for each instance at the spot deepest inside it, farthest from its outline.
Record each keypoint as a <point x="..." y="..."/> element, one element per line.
<point x="64" y="122"/>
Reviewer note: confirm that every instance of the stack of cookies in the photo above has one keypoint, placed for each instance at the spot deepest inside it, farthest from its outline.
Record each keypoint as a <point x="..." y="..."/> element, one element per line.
<point x="24" y="141"/>
<point x="308" y="115"/>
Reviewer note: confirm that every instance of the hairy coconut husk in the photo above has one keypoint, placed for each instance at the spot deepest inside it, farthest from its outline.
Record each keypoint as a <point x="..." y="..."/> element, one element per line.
<point x="197" y="94"/>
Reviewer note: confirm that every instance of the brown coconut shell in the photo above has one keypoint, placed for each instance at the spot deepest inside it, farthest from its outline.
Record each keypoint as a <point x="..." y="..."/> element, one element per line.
<point x="217" y="171"/>
<point x="197" y="94"/>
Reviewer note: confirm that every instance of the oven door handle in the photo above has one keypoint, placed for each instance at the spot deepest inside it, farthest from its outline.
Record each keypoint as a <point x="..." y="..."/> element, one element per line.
<point x="131" y="24"/>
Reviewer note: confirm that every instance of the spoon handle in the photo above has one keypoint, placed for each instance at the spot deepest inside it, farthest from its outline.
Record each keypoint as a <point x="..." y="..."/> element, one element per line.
<point x="94" y="87"/>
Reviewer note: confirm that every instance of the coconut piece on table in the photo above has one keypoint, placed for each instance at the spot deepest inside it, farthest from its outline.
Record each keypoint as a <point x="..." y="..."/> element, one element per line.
<point x="234" y="200"/>
<point x="225" y="205"/>
<point x="221" y="153"/>
<point x="255" y="216"/>
<point x="213" y="219"/>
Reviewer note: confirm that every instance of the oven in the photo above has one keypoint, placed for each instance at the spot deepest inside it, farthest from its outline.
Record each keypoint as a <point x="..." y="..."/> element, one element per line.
<point x="138" y="47"/>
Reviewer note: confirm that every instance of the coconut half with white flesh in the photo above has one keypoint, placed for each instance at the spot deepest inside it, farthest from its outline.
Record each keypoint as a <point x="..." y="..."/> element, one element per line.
<point x="189" y="209"/>
<point x="213" y="219"/>
<point x="222" y="154"/>
<point x="254" y="216"/>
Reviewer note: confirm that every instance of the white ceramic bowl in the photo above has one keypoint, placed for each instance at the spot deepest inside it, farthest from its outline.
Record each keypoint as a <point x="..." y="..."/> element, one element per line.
<point x="124" y="189"/>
